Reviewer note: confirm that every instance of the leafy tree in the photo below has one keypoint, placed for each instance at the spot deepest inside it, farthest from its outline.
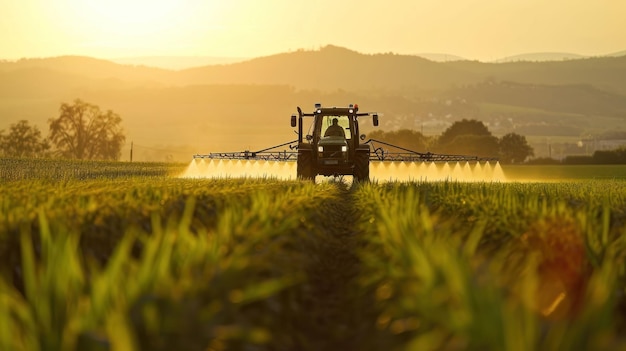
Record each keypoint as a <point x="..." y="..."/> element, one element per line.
<point x="23" y="140"/>
<point x="463" y="127"/>
<point x="514" y="148"/>
<point x="474" y="145"/>
<point x="83" y="131"/>
<point x="610" y="157"/>
<point x="468" y="137"/>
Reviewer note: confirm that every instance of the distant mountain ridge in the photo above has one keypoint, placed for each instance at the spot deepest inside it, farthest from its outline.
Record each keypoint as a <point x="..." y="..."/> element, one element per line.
<point x="186" y="62"/>
<point x="439" y="57"/>
<point x="553" y="56"/>
<point x="617" y="54"/>
<point x="542" y="57"/>
<point x="177" y="62"/>
<point x="331" y="68"/>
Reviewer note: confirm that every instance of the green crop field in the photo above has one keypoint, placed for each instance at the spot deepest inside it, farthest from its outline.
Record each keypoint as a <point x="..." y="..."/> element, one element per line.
<point x="120" y="256"/>
<point x="560" y="173"/>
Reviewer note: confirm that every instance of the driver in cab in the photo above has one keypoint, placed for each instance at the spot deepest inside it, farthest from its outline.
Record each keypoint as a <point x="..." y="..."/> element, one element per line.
<point x="335" y="129"/>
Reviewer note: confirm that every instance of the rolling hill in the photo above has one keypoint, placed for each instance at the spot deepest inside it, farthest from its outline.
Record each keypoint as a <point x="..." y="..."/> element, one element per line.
<point x="542" y="56"/>
<point x="229" y="107"/>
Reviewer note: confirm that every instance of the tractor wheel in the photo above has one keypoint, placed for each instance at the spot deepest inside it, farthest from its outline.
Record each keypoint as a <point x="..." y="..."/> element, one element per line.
<point x="305" y="166"/>
<point x="362" y="167"/>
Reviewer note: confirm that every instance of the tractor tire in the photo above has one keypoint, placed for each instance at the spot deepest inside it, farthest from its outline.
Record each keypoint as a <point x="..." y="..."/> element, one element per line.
<point x="305" y="166"/>
<point x="361" y="171"/>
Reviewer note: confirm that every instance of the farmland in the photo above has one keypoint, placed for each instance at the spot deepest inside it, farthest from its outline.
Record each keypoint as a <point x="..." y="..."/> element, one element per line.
<point x="99" y="256"/>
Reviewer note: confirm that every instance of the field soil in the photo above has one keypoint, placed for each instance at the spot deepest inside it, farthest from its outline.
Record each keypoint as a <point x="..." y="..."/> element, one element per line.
<point x="339" y="313"/>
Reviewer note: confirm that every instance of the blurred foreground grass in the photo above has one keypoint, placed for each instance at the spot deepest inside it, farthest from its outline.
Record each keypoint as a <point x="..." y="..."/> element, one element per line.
<point x="126" y="257"/>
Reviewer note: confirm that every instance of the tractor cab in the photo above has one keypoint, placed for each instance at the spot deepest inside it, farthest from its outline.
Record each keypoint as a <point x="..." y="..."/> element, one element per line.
<point x="334" y="141"/>
<point x="336" y="126"/>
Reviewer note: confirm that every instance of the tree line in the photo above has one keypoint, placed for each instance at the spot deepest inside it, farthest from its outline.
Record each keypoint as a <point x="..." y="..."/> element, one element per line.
<point x="81" y="131"/>
<point x="465" y="137"/>
<point x="599" y="157"/>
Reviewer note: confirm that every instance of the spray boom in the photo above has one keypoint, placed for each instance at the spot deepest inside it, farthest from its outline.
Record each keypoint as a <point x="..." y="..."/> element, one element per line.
<point x="335" y="147"/>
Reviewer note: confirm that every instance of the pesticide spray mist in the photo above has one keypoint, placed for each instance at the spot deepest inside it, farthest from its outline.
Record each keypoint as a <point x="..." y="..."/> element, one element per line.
<point x="430" y="171"/>
<point x="380" y="171"/>
<point x="216" y="168"/>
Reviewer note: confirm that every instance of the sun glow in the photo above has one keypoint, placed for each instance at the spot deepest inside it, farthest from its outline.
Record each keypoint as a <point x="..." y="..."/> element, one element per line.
<point x="132" y="14"/>
<point x="131" y="27"/>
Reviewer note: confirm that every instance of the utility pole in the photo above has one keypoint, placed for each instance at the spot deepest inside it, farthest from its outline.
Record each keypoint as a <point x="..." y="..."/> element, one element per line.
<point x="549" y="147"/>
<point x="131" y="151"/>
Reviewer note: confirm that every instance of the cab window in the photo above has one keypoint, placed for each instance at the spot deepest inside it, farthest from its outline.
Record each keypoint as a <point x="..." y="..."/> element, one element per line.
<point x="342" y="121"/>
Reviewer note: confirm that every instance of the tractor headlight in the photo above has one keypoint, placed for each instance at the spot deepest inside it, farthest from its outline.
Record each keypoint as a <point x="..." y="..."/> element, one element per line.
<point x="320" y="149"/>
<point x="344" y="148"/>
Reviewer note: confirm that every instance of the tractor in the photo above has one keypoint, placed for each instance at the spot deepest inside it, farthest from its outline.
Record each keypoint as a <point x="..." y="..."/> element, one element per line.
<point x="333" y="145"/>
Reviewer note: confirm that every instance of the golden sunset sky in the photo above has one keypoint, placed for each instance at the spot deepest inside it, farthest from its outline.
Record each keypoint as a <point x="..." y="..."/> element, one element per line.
<point x="474" y="29"/>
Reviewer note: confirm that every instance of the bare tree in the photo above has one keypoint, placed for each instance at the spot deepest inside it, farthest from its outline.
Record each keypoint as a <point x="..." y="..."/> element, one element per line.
<point x="83" y="131"/>
<point x="23" y="140"/>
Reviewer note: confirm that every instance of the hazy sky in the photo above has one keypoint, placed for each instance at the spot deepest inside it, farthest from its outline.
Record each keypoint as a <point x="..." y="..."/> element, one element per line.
<point x="474" y="29"/>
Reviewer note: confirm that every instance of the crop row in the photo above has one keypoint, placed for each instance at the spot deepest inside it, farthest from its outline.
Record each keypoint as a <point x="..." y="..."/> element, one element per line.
<point x="153" y="264"/>
<point x="497" y="266"/>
